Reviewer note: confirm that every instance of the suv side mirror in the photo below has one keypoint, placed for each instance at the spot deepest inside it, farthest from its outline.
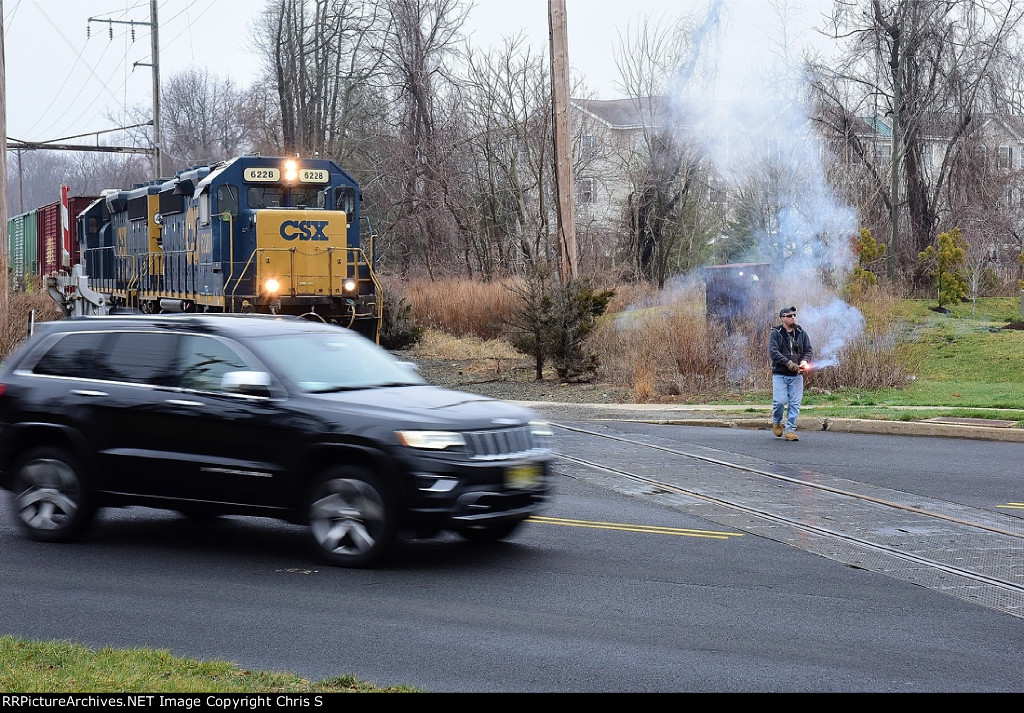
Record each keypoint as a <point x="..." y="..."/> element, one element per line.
<point x="249" y="383"/>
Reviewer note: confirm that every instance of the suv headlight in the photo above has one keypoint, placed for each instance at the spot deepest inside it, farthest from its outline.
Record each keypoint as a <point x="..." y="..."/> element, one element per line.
<point x="430" y="440"/>
<point x="543" y="435"/>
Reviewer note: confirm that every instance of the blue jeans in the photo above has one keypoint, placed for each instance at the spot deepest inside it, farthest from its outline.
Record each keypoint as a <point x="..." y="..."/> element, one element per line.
<point x="787" y="391"/>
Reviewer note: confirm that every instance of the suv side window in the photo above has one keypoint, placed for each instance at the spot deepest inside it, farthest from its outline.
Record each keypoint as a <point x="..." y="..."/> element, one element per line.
<point x="204" y="360"/>
<point x="137" y="357"/>
<point x="72" y="355"/>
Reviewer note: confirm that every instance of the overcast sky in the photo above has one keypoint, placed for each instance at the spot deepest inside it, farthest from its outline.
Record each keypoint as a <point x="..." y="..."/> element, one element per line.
<point x="61" y="83"/>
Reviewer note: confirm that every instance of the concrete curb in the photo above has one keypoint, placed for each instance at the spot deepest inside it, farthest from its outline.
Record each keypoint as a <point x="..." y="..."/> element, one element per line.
<point x="691" y="415"/>
<point x="856" y="425"/>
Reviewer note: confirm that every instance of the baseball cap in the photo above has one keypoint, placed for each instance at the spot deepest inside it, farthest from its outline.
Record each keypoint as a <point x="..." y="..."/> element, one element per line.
<point x="787" y="310"/>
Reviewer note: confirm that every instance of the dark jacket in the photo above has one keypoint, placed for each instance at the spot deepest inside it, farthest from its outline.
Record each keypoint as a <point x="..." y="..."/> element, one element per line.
<point x="784" y="346"/>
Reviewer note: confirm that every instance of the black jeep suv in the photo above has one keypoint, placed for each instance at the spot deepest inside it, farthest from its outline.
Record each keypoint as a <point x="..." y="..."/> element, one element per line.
<point x="258" y="415"/>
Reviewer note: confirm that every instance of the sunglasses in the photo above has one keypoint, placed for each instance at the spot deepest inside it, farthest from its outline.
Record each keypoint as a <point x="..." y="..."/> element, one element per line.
<point x="787" y="316"/>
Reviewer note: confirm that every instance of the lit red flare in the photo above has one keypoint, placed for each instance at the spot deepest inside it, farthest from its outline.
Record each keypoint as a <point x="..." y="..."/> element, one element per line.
<point x="805" y="366"/>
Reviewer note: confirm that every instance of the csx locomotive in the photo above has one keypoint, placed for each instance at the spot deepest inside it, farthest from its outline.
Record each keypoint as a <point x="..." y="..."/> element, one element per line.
<point x="251" y="234"/>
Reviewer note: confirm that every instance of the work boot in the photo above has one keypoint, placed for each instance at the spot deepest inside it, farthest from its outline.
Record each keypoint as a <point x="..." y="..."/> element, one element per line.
<point x="777" y="430"/>
<point x="790" y="436"/>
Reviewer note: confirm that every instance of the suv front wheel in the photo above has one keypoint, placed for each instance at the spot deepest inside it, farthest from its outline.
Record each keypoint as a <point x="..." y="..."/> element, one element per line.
<point x="351" y="517"/>
<point x="50" y="500"/>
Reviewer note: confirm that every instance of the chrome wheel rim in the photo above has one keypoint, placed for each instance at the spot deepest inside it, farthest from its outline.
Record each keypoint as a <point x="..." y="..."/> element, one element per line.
<point x="49" y="496"/>
<point x="347" y="516"/>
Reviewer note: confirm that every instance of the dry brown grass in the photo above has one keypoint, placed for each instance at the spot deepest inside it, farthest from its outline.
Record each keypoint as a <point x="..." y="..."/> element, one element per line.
<point x="481" y="358"/>
<point x="437" y="344"/>
<point x="659" y="344"/>
<point x="876" y="359"/>
<point x="461" y="307"/>
<point x="671" y="352"/>
<point x="20" y="309"/>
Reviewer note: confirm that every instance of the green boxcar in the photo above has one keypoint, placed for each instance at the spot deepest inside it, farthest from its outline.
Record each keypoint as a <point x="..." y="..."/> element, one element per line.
<point x="22" y="236"/>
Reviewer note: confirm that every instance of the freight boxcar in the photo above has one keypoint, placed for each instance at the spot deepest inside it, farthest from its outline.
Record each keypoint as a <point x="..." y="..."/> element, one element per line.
<point x="58" y="250"/>
<point x="23" y="248"/>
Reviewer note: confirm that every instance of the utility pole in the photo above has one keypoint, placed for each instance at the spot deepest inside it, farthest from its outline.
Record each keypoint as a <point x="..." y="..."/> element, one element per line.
<point x="564" y="193"/>
<point x="4" y="245"/>
<point x="154" y="46"/>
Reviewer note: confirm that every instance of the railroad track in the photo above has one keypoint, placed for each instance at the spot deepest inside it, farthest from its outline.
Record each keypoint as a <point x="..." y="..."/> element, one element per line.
<point x="966" y="552"/>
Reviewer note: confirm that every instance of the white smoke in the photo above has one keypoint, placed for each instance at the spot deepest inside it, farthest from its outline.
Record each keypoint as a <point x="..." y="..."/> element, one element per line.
<point x="752" y="120"/>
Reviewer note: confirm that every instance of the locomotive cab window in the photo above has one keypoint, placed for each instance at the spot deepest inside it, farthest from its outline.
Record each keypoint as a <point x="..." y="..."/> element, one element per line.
<point x="308" y="197"/>
<point x="345" y="199"/>
<point x="227" y="200"/>
<point x="265" y="196"/>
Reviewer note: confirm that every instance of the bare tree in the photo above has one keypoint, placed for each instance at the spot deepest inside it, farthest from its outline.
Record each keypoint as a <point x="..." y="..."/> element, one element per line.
<point x="929" y="70"/>
<point x="201" y="121"/>
<point x="665" y="168"/>
<point x="507" y="98"/>
<point x="422" y="37"/>
<point x="322" y="56"/>
<point x="35" y="177"/>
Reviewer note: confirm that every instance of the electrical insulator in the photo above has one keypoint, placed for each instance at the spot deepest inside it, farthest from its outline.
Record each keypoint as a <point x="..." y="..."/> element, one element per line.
<point x="111" y="31"/>
<point x="133" y="33"/>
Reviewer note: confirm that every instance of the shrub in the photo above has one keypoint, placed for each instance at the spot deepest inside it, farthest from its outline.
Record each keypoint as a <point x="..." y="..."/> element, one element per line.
<point x="398" y="330"/>
<point x="552" y="322"/>
<point x="946" y="265"/>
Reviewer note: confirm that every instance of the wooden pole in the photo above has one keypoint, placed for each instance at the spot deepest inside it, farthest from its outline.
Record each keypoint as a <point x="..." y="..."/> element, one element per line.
<point x="4" y="257"/>
<point x="564" y="193"/>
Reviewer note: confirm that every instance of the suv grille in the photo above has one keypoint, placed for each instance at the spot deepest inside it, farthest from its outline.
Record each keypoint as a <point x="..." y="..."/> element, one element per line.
<point x="499" y="443"/>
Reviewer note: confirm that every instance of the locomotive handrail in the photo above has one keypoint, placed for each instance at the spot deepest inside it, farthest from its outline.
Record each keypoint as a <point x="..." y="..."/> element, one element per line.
<point x="231" y="253"/>
<point x="131" y="279"/>
<point x="241" y="274"/>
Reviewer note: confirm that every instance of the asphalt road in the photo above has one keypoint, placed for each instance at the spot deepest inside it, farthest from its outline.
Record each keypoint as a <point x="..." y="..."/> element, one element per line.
<point x="614" y="594"/>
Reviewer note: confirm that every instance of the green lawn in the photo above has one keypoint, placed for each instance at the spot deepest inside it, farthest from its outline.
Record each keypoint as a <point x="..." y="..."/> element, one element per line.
<point x="64" y="667"/>
<point x="971" y="365"/>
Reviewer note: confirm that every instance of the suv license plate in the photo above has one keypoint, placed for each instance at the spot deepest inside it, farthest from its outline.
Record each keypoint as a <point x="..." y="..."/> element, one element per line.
<point x="522" y="476"/>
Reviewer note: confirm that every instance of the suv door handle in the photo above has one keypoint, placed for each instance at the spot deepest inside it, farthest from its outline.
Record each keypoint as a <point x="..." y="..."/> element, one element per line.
<point x="88" y="392"/>
<point x="183" y="402"/>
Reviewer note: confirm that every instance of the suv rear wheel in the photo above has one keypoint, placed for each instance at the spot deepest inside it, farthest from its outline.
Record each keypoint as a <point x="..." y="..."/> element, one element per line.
<point x="50" y="500"/>
<point x="351" y="517"/>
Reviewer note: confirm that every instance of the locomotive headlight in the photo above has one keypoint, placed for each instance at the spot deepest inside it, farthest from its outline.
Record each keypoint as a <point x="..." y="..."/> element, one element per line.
<point x="272" y="286"/>
<point x="291" y="170"/>
<point x="349" y="285"/>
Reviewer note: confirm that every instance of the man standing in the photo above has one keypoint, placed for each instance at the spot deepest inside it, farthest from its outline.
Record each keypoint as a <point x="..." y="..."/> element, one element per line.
<point x="789" y="350"/>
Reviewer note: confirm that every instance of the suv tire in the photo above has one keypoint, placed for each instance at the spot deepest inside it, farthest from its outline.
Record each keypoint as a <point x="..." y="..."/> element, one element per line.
<point x="50" y="500"/>
<point x="351" y="517"/>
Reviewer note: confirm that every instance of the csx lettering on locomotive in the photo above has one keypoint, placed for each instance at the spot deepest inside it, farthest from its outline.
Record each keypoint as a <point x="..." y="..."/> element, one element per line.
<point x="304" y="229"/>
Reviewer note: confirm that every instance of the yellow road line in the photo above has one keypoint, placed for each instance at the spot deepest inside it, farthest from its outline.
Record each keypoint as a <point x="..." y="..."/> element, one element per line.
<point x="1012" y="506"/>
<point x="625" y="527"/>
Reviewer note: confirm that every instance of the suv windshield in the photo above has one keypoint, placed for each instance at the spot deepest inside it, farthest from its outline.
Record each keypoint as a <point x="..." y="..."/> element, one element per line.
<point x="319" y="362"/>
